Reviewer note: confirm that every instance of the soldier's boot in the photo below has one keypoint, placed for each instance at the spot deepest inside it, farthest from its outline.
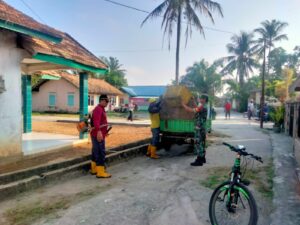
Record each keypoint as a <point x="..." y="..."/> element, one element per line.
<point x="197" y="162"/>
<point x="93" y="170"/>
<point x="204" y="158"/>
<point x="153" y="154"/>
<point x="101" y="173"/>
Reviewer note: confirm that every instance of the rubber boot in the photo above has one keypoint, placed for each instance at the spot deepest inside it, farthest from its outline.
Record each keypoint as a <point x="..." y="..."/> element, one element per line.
<point x="101" y="173"/>
<point x="93" y="170"/>
<point x="198" y="162"/>
<point x="153" y="154"/>
<point x="149" y="150"/>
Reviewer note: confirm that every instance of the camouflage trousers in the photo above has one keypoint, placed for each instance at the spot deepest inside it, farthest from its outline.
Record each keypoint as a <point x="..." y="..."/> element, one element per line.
<point x="199" y="146"/>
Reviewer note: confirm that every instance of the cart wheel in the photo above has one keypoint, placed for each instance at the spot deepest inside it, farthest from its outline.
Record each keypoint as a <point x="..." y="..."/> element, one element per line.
<point x="191" y="148"/>
<point x="166" y="146"/>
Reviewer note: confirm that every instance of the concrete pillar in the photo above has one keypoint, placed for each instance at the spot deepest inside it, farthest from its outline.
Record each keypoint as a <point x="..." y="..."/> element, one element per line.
<point x="83" y="99"/>
<point x="27" y="103"/>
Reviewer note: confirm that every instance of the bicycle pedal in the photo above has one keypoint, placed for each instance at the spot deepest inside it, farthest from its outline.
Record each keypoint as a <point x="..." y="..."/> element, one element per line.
<point x="246" y="182"/>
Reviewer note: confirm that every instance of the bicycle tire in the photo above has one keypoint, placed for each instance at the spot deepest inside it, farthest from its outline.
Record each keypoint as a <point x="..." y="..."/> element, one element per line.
<point x="253" y="208"/>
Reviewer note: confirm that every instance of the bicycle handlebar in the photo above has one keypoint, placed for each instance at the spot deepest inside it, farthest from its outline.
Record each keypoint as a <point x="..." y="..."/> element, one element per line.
<point x="243" y="152"/>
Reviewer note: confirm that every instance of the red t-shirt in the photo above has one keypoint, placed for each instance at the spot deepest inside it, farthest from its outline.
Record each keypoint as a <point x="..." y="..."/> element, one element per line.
<point x="227" y="106"/>
<point x="100" y="121"/>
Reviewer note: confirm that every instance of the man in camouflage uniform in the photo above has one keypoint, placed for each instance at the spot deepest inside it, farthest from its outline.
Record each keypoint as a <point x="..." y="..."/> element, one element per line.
<point x="200" y="130"/>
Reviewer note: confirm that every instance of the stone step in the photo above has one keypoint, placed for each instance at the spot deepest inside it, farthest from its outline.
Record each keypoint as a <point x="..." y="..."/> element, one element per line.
<point x="72" y="170"/>
<point x="38" y="170"/>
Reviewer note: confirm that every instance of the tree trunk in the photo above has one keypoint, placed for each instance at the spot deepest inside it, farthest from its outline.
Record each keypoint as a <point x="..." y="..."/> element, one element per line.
<point x="178" y="46"/>
<point x="268" y="63"/>
<point x="262" y="100"/>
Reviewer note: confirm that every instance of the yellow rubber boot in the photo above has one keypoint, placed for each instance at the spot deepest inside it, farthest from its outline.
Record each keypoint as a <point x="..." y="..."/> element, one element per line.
<point x="93" y="170"/>
<point x="101" y="173"/>
<point x="149" y="150"/>
<point x="153" y="154"/>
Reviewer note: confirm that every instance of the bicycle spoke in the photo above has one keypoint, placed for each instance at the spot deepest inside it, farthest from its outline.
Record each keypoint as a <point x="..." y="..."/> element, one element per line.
<point x="241" y="201"/>
<point x="239" y="214"/>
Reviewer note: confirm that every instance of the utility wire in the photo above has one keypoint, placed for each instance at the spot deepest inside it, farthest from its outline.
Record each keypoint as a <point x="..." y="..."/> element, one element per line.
<point x="145" y="11"/>
<point x="31" y="9"/>
<point x="126" y="6"/>
<point x="150" y="50"/>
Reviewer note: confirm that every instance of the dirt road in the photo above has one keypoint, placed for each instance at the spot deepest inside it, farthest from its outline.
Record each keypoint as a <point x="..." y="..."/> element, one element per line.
<point x="144" y="191"/>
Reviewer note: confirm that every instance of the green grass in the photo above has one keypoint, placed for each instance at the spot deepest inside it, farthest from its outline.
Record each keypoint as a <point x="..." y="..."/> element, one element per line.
<point x="260" y="177"/>
<point x="27" y="214"/>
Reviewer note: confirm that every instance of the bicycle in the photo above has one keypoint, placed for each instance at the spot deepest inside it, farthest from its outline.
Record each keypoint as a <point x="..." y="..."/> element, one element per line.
<point x="227" y="204"/>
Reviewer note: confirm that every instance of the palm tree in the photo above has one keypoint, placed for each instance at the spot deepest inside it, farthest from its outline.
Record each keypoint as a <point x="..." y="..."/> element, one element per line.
<point x="269" y="33"/>
<point x="202" y="77"/>
<point x="115" y="74"/>
<point x="174" y="11"/>
<point x="241" y="59"/>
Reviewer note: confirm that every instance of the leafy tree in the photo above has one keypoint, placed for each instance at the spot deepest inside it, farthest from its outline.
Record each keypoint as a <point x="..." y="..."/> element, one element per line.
<point x="202" y="77"/>
<point x="282" y="87"/>
<point x="242" y="94"/>
<point x="115" y="75"/>
<point x="35" y="79"/>
<point x="241" y="59"/>
<point x="177" y="12"/>
<point x="294" y="60"/>
<point x="278" y="58"/>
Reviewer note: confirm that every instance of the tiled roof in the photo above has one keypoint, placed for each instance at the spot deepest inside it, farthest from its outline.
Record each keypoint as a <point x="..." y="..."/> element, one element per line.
<point x="145" y="91"/>
<point x="95" y="86"/>
<point x="68" y="48"/>
<point x="10" y="14"/>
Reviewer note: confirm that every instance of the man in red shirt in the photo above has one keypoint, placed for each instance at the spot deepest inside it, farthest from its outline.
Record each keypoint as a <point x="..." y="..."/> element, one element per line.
<point x="98" y="134"/>
<point x="227" y="108"/>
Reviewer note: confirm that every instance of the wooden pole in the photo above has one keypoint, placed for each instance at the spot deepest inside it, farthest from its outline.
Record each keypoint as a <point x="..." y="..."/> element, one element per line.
<point x="262" y="99"/>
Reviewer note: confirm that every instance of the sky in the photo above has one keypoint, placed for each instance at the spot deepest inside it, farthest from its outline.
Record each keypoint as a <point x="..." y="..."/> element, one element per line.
<point x="109" y="30"/>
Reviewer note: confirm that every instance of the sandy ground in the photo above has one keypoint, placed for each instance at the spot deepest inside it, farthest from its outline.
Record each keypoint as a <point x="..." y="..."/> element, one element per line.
<point x="142" y="191"/>
<point x="120" y="135"/>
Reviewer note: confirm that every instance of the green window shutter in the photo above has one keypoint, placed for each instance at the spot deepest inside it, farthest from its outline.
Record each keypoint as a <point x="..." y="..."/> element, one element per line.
<point x="52" y="99"/>
<point x="71" y="99"/>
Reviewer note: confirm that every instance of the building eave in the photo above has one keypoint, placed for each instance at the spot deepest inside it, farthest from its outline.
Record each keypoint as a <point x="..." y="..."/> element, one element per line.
<point x="68" y="63"/>
<point x="28" y="31"/>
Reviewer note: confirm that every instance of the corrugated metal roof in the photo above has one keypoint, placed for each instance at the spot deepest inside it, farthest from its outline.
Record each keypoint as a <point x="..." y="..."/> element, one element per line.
<point x="145" y="91"/>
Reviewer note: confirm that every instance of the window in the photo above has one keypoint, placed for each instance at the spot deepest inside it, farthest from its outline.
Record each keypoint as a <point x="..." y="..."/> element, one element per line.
<point x="71" y="98"/>
<point x="52" y="99"/>
<point x="91" y="100"/>
<point x="112" y="100"/>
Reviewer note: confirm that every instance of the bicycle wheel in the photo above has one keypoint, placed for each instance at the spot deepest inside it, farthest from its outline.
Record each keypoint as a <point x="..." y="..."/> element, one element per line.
<point x="235" y="208"/>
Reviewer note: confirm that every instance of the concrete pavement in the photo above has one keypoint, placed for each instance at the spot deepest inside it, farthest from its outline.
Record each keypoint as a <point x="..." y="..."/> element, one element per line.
<point x="286" y="184"/>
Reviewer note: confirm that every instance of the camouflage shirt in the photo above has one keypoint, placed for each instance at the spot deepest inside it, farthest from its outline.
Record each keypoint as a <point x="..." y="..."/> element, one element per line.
<point x="200" y="118"/>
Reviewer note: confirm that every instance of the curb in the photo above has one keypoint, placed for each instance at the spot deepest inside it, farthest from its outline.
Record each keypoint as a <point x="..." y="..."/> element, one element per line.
<point x="15" y="183"/>
<point x="286" y="200"/>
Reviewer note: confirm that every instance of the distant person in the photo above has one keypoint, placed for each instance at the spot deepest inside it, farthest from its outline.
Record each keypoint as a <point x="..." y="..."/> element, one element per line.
<point x="98" y="133"/>
<point x="131" y="107"/>
<point x="266" y="112"/>
<point x="250" y="109"/>
<point x="200" y="129"/>
<point x="227" y="109"/>
<point x="154" y="109"/>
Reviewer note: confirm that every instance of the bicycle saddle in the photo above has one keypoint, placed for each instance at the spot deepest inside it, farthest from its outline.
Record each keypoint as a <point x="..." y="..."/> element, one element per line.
<point x="241" y="147"/>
